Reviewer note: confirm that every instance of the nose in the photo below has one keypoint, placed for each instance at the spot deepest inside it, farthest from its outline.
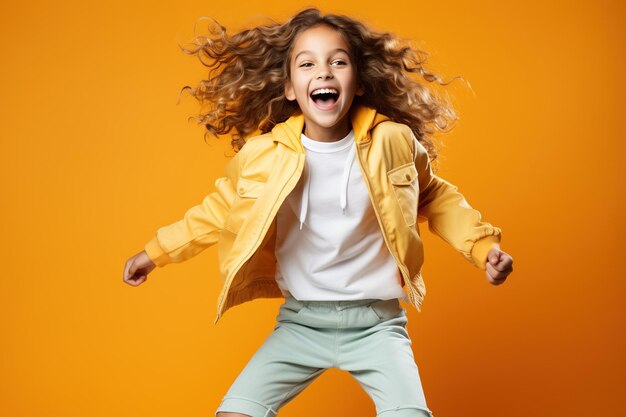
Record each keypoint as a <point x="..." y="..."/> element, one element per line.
<point x="324" y="73"/>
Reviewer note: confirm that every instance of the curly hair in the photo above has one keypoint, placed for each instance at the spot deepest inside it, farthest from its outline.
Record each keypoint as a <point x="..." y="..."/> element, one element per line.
<point x="244" y="92"/>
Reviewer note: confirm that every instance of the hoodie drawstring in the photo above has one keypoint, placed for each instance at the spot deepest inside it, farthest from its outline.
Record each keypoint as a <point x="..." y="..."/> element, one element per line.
<point x="304" y="204"/>
<point x="343" y="194"/>
<point x="343" y="198"/>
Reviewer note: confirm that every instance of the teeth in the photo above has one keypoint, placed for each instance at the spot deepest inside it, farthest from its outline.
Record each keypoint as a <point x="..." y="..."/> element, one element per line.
<point x="324" y="91"/>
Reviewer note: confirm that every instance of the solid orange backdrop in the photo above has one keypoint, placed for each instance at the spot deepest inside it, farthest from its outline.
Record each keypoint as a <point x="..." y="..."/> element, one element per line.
<point x="96" y="155"/>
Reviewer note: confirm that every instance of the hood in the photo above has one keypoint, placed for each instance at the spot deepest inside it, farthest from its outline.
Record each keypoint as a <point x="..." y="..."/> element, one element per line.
<point x="362" y="118"/>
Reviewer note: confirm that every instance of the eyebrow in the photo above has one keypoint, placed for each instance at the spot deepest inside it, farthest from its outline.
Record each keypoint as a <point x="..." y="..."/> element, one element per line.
<point x="333" y="51"/>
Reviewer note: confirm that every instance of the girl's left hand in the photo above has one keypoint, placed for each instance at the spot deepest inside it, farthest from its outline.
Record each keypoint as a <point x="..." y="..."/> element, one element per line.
<point x="499" y="266"/>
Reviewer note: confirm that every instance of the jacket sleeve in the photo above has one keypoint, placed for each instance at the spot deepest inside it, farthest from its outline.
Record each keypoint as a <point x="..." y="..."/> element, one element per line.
<point x="449" y="215"/>
<point x="198" y="229"/>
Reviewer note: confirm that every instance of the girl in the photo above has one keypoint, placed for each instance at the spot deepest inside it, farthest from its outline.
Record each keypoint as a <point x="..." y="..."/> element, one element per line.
<point x="321" y="206"/>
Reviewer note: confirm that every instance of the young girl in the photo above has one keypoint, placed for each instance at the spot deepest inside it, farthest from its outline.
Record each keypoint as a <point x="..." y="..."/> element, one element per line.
<point x="321" y="206"/>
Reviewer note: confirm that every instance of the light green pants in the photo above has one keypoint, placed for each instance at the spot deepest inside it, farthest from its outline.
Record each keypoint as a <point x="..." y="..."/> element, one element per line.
<point x="367" y="338"/>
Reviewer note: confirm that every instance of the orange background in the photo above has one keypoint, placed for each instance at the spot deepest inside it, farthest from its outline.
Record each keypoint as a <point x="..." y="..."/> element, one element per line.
<point x="96" y="155"/>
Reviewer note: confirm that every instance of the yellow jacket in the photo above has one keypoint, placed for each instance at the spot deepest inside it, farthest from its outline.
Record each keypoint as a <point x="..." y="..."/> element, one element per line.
<point x="240" y="214"/>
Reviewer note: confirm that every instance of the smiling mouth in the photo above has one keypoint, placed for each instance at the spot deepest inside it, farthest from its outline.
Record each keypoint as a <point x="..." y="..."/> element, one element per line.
<point x="325" y="98"/>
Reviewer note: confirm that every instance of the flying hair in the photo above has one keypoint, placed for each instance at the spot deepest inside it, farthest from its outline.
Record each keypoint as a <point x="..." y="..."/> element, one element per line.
<point x="244" y="91"/>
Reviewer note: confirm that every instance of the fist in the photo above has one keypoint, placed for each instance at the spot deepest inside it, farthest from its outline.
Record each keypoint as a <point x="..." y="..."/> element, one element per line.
<point x="137" y="269"/>
<point x="499" y="266"/>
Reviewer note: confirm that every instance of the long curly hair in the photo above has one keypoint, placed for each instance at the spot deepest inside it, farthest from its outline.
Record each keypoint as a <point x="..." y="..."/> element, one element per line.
<point x="244" y="92"/>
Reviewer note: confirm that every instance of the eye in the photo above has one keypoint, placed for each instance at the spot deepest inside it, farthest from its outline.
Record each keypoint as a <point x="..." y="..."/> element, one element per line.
<point x="340" y="62"/>
<point x="306" y="64"/>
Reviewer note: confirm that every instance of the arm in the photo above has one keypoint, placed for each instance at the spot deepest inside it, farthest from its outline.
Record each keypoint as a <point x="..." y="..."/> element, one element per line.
<point x="200" y="226"/>
<point x="198" y="230"/>
<point x="450" y="216"/>
<point x="181" y="240"/>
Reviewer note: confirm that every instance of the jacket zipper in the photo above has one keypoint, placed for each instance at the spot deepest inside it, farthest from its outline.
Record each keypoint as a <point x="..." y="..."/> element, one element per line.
<point x="255" y="246"/>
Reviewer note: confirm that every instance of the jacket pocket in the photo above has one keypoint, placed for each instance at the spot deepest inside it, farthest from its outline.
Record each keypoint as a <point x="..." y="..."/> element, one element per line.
<point x="404" y="183"/>
<point x="247" y="193"/>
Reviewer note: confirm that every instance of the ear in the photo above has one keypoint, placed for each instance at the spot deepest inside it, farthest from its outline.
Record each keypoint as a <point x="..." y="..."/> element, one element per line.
<point x="289" y="92"/>
<point x="360" y="90"/>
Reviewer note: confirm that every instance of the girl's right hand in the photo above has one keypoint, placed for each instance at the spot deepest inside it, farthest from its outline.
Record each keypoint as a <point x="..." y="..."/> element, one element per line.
<point x="137" y="269"/>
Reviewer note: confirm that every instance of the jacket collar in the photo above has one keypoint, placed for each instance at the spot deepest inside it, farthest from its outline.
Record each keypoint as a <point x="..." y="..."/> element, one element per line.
<point x="362" y="118"/>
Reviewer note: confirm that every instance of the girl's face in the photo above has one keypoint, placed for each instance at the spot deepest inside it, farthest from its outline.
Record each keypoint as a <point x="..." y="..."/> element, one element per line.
<point x="323" y="81"/>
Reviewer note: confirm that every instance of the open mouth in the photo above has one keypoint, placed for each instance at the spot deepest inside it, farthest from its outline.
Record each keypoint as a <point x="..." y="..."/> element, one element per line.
<point x="325" y="98"/>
